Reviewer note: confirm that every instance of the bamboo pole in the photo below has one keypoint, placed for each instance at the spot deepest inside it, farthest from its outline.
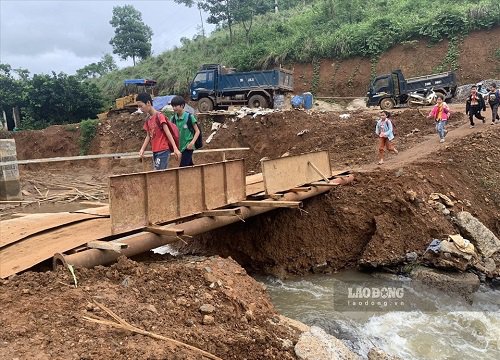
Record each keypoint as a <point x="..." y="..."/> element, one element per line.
<point x="132" y="155"/>
<point x="122" y="324"/>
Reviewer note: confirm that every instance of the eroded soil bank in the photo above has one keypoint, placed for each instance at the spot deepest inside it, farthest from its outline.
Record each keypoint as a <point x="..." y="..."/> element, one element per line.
<point x="211" y="304"/>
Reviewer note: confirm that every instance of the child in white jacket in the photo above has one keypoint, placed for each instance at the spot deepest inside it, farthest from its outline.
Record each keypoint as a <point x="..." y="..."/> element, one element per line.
<point x="385" y="132"/>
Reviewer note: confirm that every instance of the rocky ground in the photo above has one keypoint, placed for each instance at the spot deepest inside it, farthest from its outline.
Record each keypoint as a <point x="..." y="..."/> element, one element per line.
<point x="195" y="301"/>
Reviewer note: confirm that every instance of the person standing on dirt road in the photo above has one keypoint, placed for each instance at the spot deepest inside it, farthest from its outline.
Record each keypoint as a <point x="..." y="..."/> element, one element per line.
<point x="384" y="130"/>
<point x="188" y="130"/>
<point x="440" y="113"/>
<point x="157" y="131"/>
<point x="473" y="106"/>
<point x="494" y="101"/>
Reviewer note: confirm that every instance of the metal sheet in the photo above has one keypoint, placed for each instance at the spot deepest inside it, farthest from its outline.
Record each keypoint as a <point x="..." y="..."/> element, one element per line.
<point x="235" y="176"/>
<point x="191" y="197"/>
<point x="162" y="196"/>
<point x="213" y="186"/>
<point x="143" y="199"/>
<point x="292" y="171"/>
<point x="127" y="202"/>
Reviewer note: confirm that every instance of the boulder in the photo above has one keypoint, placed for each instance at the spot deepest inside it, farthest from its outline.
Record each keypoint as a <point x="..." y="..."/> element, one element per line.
<point x="378" y="354"/>
<point x="450" y="257"/>
<point x="316" y="344"/>
<point x="464" y="284"/>
<point x="485" y="241"/>
<point x="486" y="266"/>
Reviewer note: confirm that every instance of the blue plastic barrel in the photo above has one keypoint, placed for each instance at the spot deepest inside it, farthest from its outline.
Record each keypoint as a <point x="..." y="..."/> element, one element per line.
<point x="297" y="101"/>
<point x="308" y="100"/>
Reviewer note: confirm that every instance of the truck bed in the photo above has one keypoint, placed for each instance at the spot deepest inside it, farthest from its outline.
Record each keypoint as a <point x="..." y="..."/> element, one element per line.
<point x="441" y="80"/>
<point x="267" y="79"/>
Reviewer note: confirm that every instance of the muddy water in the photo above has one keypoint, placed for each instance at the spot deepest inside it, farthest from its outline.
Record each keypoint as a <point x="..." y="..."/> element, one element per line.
<point x="438" y="326"/>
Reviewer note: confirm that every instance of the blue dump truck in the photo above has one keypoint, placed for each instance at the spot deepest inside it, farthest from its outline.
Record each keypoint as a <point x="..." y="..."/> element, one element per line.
<point x="392" y="89"/>
<point x="215" y="86"/>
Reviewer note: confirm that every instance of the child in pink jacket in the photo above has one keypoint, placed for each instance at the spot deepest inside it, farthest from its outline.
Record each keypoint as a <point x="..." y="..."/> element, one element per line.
<point x="440" y="113"/>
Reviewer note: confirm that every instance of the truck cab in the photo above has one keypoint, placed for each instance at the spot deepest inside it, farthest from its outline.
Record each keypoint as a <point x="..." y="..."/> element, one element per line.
<point x="203" y="84"/>
<point x="387" y="90"/>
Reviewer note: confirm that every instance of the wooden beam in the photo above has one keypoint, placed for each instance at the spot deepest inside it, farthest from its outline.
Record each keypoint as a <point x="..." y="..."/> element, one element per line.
<point x="276" y="196"/>
<point x="107" y="245"/>
<point x="222" y="212"/>
<point x="160" y="230"/>
<point x="317" y="170"/>
<point x="320" y="183"/>
<point x="301" y="189"/>
<point x="130" y="155"/>
<point x="267" y="203"/>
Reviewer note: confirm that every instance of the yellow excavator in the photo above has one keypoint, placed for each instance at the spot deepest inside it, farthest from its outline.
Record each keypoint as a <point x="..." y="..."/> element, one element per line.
<point x="127" y="102"/>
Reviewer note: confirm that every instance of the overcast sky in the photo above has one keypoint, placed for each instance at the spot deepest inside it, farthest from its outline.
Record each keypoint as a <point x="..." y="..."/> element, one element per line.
<point x="44" y="36"/>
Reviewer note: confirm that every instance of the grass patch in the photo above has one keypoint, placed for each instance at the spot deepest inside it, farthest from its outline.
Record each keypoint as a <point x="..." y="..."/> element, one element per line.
<point x="88" y="129"/>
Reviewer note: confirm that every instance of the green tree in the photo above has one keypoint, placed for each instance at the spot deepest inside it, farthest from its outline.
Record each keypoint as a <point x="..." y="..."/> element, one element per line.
<point x="221" y="12"/>
<point x="132" y="37"/>
<point x="230" y="12"/>
<point x="108" y="64"/>
<point x="58" y="99"/>
<point x="11" y="89"/>
<point x="93" y="70"/>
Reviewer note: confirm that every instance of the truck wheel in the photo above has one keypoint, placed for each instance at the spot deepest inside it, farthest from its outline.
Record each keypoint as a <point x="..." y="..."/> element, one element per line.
<point x="205" y="105"/>
<point x="256" y="101"/>
<point x="387" y="103"/>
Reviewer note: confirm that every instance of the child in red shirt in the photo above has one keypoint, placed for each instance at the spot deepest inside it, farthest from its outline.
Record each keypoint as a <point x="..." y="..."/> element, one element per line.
<point x="162" y="142"/>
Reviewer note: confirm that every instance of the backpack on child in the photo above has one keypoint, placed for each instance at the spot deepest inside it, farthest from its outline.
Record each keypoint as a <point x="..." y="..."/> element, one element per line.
<point x="198" y="144"/>
<point x="173" y="130"/>
<point x="493" y="97"/>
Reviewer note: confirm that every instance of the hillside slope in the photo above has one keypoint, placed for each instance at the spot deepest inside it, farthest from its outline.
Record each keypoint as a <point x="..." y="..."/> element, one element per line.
<point x="476" y="59"/>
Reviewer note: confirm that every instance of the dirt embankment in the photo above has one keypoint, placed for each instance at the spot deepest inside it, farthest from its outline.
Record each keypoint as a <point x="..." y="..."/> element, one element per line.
<point x="377" y="219"/>
<point x="477" y="60"/>
<point x="210" y="304"/>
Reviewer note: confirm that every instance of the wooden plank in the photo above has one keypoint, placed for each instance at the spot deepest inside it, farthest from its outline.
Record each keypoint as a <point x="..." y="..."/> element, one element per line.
<point x="164" y="230"/>
<point x="14" y="230"/>
<point x="35" y="249"/>
<point x="272" y="203"/>
<point x="107" y="245"/>
<point x="321" y="183"/>
<point x="318" y="171"/>
<point x="101" y="211"/>
<point x="253" y="179"/>
<point x="301" y="189"/>
<point x="127" y="200"/>
<point x="256" y="188"/>
<point x="222" y="212"/>
<point x="340" y="172"/>
<point x="289" y="172"/>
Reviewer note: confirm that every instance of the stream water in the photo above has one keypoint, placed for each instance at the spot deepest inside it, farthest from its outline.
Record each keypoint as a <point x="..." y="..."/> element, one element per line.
<point x="430" y="325"/>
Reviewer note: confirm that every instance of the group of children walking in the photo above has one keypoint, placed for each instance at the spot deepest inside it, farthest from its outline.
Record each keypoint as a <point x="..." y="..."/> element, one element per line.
<point x="440" y="113"/>
<point x="163" y="133"/>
